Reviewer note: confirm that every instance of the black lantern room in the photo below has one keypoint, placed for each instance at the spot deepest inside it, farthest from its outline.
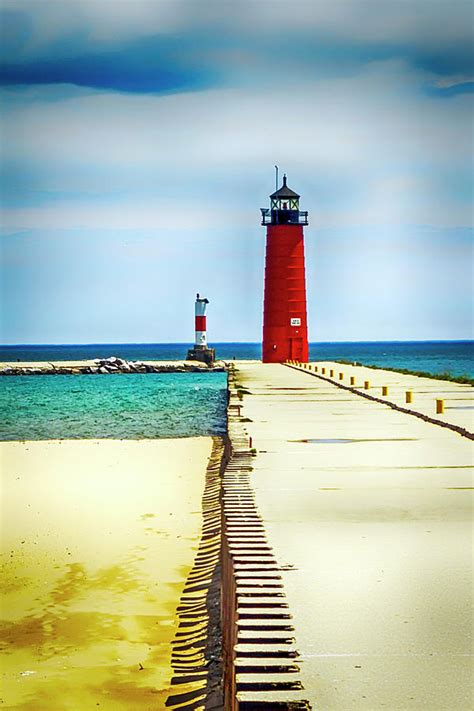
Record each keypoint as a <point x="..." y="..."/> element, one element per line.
<point x="284" y="208"/>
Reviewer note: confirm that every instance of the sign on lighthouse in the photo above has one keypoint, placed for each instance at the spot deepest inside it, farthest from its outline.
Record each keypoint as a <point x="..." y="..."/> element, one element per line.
<point x="285" y="330"/>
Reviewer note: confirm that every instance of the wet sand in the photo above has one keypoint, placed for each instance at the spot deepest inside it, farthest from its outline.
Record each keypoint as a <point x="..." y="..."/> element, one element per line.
<point x="98" y="538"/>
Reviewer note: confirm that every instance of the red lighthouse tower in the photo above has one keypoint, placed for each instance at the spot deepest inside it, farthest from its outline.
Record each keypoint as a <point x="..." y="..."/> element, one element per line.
<point x="285" y="331"/>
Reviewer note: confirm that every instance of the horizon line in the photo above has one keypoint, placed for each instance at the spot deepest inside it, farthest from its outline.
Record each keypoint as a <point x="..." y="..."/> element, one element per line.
<point x="216" y="343"/>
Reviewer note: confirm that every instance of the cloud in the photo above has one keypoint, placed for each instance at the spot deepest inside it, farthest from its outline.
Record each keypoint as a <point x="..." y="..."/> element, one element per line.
<point x="124" y="215"/>
<point x="165" y="47"/>
<point x="426" y="24"/>
<point x="365" y="149"/>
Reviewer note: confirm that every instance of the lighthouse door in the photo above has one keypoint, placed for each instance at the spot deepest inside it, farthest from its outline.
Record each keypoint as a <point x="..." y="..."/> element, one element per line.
<point x="296" y="348"/>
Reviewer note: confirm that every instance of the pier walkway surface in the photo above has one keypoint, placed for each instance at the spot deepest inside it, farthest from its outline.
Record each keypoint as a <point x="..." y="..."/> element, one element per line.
<point x="458" y="398"/>
<point x="372" y="506"/>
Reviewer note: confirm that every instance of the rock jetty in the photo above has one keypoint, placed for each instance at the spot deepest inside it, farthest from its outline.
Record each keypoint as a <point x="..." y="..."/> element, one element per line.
<point x="107" y="366"/>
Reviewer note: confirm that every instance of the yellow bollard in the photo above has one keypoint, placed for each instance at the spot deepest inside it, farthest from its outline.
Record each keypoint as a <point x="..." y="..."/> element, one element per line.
<point x="384" y="390"/>
<point x="331" y="374"/>
<point x="439" y="407"/>
<point x="353" y="380"/>
<point x="366" y="384"/>
<point x="315" y="368"/>
<point x="341" y="376"/>
<point x="323" y="371"/>
<point x="408" y="396"/>
<point x="310" y="367"/>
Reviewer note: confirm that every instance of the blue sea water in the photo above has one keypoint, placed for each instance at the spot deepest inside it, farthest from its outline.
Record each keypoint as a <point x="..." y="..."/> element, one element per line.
<point x="169" y="404"/>
<point x="131" y="406"/>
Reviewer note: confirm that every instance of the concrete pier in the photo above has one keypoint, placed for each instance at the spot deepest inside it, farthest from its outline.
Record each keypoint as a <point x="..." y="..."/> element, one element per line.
<point x="367" y="510"/>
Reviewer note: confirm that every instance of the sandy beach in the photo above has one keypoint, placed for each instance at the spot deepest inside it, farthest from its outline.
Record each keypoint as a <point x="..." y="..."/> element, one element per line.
<point x="98" y="537"/>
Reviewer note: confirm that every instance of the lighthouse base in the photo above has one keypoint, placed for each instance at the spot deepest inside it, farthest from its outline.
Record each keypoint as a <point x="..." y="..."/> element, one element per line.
<point x="278" y="348"/>
<point x="203" y="354"/>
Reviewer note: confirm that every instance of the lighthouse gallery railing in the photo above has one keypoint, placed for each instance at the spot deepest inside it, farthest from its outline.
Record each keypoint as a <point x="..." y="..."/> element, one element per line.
<point x="283" y="217"/>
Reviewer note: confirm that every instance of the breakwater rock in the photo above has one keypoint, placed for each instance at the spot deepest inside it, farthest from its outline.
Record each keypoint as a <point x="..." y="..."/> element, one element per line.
<point x="107" y="366"/>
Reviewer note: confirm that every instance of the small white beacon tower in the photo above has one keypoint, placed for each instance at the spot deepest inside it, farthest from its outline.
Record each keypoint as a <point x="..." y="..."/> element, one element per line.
<point x="201" y="352"/>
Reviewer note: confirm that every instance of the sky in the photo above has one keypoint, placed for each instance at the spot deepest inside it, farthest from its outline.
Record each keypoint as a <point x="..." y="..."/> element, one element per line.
<point x="138" y="144"/>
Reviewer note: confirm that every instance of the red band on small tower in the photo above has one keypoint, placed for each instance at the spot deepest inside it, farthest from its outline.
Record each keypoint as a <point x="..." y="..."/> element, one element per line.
<point x="200" y="323"/>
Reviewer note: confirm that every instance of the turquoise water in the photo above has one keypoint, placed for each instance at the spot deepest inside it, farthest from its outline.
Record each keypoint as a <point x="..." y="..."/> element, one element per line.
<point x="131" y="406"/>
